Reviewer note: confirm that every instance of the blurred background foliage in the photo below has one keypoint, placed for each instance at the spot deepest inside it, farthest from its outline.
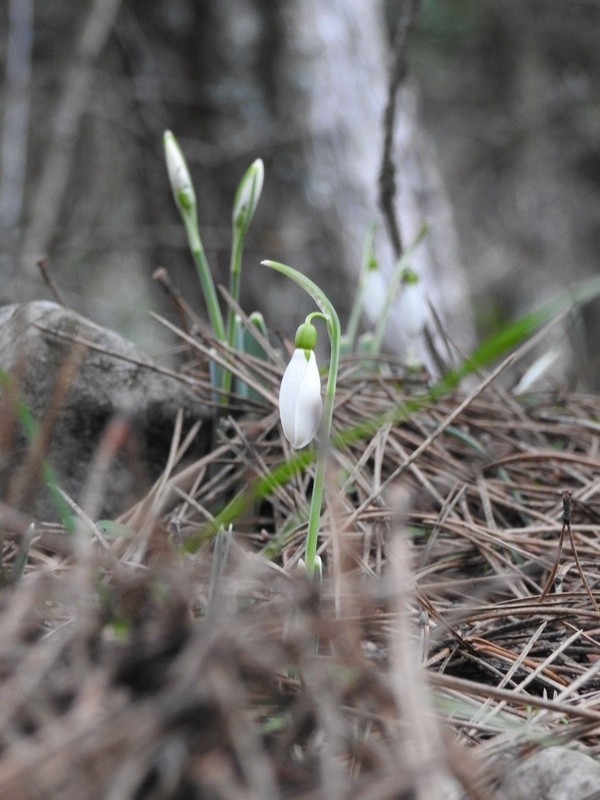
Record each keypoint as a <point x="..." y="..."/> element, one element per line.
<point x="498" y="147"/>
<point x="510" y="95"/>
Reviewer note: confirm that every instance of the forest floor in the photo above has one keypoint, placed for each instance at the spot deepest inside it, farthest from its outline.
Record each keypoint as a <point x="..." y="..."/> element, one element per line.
<point x="456" y="626"/>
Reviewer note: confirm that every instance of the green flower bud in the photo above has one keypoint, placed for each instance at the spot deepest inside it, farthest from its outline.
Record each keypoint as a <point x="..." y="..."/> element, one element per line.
<point x="179" y="175"/>
<point x="257" y="319"/>
<point x="306" y="337"/>
<point x="409" y="277"/>
<point x="248" y="194"/>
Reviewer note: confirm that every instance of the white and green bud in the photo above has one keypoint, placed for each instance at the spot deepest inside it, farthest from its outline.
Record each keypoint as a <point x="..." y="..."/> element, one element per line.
<point x="248" y="194"/>
<point x="179" y="175"/>
<point x="306" y="336"/>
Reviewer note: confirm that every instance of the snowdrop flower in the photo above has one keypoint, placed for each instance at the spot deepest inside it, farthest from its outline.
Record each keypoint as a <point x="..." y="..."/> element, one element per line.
<point x="300" y="403"/>
<point x="248" y="194"/>
<point x="179" y="175"/>
<point x="412" y="309"/>
<point x="375" y="295"/>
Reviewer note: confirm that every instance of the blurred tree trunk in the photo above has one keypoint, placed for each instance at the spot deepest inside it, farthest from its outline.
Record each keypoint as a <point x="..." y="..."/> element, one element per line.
<point x="13" y="159"/>
<point x="300" y="83"/>
<point x="511" y="92"/>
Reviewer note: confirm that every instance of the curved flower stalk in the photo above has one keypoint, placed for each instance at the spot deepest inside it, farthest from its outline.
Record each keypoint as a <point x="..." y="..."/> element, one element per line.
<point x="329" y="314"/>
<point x="185" y="199"/>
<point x="300" y="403"/>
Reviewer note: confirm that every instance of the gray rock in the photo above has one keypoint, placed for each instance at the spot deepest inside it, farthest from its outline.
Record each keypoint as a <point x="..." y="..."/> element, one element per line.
<point x="109" y="375"/>
<point x="556" y="773"/>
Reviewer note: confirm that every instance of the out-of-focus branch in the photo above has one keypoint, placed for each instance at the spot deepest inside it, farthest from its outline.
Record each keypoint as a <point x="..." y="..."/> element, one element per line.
<point x="387" y="174"/>
<point x="13" y="159"/>
<point x="48" y="195"/>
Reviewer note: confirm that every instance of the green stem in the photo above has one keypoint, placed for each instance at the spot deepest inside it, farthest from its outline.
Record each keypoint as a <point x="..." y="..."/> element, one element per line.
<point x="206" y="281"/>
<point x="316" y="501"/>
<point x="393" y="287"/>
<point x="235" y="274"/>
<point x="357" y="305"/>
<point x="333" y="330"/>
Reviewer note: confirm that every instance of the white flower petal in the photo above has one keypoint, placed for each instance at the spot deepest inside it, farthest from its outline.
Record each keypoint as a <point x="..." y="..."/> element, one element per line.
<point x="537" y="370"/>
<point x="412" y="309"/>
<point x="300" y="403"/>
<point x="375" y="295"/>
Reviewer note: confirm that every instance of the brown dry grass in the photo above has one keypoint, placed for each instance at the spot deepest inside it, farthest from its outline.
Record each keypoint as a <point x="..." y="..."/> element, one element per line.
<point x="131" y="670"/>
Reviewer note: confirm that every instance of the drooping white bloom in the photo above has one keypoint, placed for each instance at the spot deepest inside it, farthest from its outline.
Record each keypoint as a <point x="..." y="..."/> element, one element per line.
<point x="300" y="403"/>
<point x="412" y="309"/>
<point x="375" y="295"/>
